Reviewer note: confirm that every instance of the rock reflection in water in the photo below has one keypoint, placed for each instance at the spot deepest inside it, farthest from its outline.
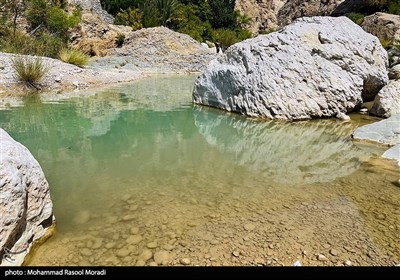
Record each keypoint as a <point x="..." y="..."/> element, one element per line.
<point x="287" y="152"/>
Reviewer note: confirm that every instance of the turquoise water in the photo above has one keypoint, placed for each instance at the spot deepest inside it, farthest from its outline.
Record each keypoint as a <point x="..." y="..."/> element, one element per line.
<point x="138" y="169"/>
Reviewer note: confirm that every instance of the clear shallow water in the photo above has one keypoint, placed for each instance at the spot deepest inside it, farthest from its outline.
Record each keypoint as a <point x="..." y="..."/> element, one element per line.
<point x="138" y="169"/>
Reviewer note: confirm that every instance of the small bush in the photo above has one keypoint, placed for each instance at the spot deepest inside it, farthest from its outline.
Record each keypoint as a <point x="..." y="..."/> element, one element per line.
<point x="119" y="40"/>
<point x="356" y="17"/>
<point x="130" y="17"/>
<point x="29" y="69"/>
<point x="74" y="56"/>
<point x="386" y="43"/>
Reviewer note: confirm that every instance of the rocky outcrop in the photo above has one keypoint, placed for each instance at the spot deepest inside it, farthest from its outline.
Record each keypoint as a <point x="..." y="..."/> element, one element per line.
<point x="158" y="49"/>
<point x="93" y="7"/>
<point x="387" y="101"/>
<point x="96" y="34"/>
<point x="294" y="9"/>
<point x="384" y="132"/>
<point x="272" y="14"/>
<point x="263" y="13"/>
<point x="26" y="210"/>
<point x="384" y="26"/>
<point x="315" y="67"/>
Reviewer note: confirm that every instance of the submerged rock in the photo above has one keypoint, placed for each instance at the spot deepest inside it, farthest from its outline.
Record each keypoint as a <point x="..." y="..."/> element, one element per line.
<point x="315" y="67"/>
<point x="387" y="101"/>
<point x="26" y="210"/>
<point x="393" y="153"/>
<point x="384" y="132"/>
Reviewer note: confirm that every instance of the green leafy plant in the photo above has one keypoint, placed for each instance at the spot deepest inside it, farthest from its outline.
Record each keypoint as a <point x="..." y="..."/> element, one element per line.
<point x="74" y="56"/>
<point x="29" y="69"/>
<point x="130" y="17"/>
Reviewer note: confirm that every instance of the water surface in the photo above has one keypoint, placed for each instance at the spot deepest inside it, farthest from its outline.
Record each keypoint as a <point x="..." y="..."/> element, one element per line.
<point x="137" y="169"/>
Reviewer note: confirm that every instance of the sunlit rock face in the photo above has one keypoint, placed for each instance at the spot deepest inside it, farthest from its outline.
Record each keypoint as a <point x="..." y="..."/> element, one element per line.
<point x="316" y="67"/>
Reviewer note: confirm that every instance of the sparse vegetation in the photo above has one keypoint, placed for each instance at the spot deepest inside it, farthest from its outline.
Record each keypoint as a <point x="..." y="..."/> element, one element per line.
<point x="29" y="69"/>
<point x="212" y="20"/>
<point x="120" y="40"/>
<point x="47" y="31"/>
<point x="356" y="17"/>
<point x="74" y="56"/>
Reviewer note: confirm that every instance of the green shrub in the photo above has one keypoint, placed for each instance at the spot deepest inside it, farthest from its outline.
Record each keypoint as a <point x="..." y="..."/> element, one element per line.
<point x="120" y="40"/>
<point x="43" y="44"/>
<point x="74" y="56"/>
<point x="394" y="7"/>
<point x="29" y="69"/>
<point x="130" y="17"/>
<point x="226" y="38"/>
<point x="356" y="17"/>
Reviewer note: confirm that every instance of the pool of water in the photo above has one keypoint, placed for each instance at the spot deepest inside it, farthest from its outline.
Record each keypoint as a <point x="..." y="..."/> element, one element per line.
<point x="141" y="176"/>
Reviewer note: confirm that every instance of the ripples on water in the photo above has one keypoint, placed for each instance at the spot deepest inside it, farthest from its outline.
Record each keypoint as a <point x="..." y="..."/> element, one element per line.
<point x="138" y="169"/>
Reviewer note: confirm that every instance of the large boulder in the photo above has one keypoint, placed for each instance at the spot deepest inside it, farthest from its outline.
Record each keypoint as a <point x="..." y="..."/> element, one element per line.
<point x="94" y="7"/>
<point x="315" y="67"/>
<point x="387" y="101"/>
<point x="384" y="26"/>
<point x="26" y="210"/>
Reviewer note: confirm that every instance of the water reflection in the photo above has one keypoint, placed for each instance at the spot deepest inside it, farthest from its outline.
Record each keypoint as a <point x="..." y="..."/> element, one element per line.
<point x="290" y="153"/>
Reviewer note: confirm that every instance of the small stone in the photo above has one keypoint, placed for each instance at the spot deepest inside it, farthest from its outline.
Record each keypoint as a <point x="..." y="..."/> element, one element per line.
<point x="326" y="246"/>
<point x="381" y="217"/>
<point x="168" y="247"/>
<point x="347" y="263"/>
<point x="82" y="217"/>
<point x="185" y="261"/>
<point x="152" y="245"/>
<point x="342" y="116"/>
<point x="122" y="253"/>
<point x="115" y="237"/>
<point x="322" y="257"/>
<point x="134" y="239"/>
<point x="86" y="252"/>
<point x="110" y="245"/>
<point x="249" y="227"/>
<point x="148" y="202"/>
<point x="259" y="261"/>
<point x="140" y="263"/>
<point x="133" y="208"/>
<point x="134" y="230"/>
<point x="145" y="255"/>
<point x="363" y="110"/>
<point x="236" y="254"/>
<point x="128" y="218"/>
<point x="333" y="252"/>
<point x="126" y="197"/>
<point x="161" y="257"/>
<point x="153" y="264"/>
<point x="97" y="243"/>
<point x="271" y="246"/>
